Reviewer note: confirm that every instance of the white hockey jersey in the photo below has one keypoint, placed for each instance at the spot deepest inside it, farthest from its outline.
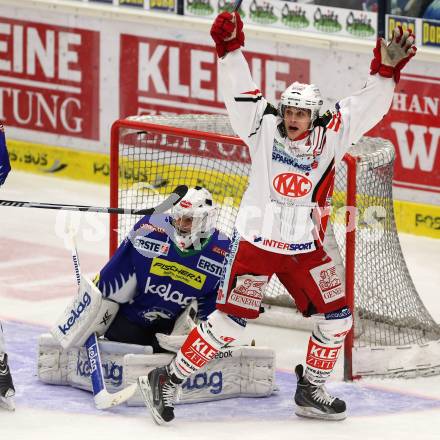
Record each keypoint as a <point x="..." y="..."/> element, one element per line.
<point x="291" y="182"/>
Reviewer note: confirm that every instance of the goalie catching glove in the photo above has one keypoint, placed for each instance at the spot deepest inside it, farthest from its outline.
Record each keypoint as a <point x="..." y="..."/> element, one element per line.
<point x="227" y="33"/>
<point x="389" y="59"/>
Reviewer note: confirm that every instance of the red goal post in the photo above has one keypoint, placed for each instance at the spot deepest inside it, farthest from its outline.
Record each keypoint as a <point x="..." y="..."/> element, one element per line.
<point x="152" y="155"/>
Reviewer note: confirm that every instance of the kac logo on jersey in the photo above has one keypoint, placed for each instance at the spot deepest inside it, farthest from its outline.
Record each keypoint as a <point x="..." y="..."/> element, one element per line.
<point x="292" y="185"/>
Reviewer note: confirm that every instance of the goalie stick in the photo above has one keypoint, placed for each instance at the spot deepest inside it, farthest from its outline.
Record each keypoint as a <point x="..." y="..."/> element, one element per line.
<point x="175" y="197"/>
<point x="103" y="399"/>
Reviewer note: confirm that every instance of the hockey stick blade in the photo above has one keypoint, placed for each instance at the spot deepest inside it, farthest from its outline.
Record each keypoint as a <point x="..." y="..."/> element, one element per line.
<point x="105" y="400"/>
<point x="168" y="203"/>
<point x="175" y="197"/>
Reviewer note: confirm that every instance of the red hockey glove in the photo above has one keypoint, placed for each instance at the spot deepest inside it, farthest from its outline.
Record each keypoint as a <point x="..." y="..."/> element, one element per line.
<point x="390" y="59"/>
<point x="227" y="33"/>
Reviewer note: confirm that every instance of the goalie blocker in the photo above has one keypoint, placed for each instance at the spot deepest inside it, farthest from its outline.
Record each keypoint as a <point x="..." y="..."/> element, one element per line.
<point x="88" y="313"/>
<point x="236" y="371"/>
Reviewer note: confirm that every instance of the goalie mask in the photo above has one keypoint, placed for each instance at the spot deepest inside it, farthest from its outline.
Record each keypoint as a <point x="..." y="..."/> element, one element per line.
<point x="304" y="96"/>
<point x="193" y="218"/>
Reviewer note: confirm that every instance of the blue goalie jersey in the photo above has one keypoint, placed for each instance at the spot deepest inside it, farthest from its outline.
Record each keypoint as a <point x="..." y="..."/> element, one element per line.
<point x="155" y="281"/>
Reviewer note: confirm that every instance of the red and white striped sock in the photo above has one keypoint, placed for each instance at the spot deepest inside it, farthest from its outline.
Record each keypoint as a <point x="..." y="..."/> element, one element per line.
<point x="197" y="350"/>
<point x="320" y="361"/>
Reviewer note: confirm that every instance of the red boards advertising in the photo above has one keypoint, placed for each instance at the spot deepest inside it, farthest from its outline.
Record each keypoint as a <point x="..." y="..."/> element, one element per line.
<point x="413" y="126"/>
<point x="173" y="77"/>
<point x="49" y="78"/>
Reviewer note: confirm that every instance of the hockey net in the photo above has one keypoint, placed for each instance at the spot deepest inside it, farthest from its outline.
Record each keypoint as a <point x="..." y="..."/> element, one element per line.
<point x="393" y="334"/>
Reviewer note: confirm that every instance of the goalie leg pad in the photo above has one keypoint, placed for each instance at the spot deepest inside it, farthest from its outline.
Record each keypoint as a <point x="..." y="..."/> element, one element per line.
<point x="234" y="372"/>
<point x="52" y="361"/>
<point x="112" y="360"/>
<point x="71" y="367"/>
<point x="325" y="344"/>
<point x="88" y="313"/>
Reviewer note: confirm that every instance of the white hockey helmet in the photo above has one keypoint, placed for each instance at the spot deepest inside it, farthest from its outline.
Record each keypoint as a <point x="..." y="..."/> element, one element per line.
<point x="198" y="206"/>
<point x="300" y="95"/>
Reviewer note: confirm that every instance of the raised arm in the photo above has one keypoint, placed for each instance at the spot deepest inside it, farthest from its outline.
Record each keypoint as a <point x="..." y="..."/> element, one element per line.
<point x="243" y="99"/>
<point x="361" y="111"/>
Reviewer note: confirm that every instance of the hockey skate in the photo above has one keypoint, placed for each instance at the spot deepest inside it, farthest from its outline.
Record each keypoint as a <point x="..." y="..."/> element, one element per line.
<point x="159" y="390"/>
<point x="7" y="390"/>
<point x="315" y="402"/>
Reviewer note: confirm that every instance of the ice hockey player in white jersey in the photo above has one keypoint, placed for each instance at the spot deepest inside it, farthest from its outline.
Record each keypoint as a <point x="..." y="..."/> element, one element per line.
<point x="283" y="214"/>
<point x="6" y="386"/>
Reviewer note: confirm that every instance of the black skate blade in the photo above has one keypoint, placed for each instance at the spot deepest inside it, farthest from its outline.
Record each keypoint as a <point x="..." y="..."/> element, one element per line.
<point x="313" y="413"/>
